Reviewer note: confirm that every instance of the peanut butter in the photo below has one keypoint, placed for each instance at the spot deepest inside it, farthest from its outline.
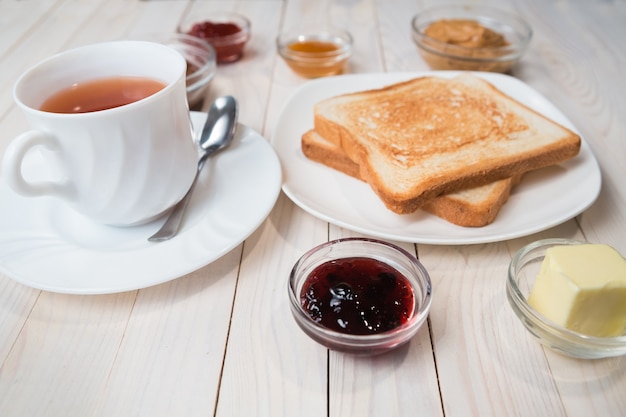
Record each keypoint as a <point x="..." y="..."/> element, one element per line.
<point x="465" y="32"/>
<point x="464" y="44"/>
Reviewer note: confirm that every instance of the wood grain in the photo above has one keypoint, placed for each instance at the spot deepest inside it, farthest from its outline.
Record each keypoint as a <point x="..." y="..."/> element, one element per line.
<point x="221" y="341"/>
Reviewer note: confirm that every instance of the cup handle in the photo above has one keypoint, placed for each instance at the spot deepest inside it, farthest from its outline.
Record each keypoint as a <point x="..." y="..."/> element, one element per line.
<point x="12" y="167"/>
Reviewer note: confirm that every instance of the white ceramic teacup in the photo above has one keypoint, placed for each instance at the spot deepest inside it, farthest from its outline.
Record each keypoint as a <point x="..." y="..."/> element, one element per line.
<point x="125" y="165"/>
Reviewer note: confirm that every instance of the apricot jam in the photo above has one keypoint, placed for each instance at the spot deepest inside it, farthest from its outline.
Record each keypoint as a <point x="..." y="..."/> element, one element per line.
<point x="314" y="47"/>
<point x="357" y="296"/>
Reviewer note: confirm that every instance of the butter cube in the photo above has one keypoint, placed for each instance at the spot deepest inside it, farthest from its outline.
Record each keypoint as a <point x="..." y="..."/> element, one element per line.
<point x="583" y="288"/>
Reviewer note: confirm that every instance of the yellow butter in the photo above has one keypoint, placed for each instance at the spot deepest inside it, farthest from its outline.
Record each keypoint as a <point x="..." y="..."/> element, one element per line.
<point x="583" y="288"/>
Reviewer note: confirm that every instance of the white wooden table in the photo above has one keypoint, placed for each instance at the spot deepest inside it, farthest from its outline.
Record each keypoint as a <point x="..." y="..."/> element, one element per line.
<point x="221" y="341"/>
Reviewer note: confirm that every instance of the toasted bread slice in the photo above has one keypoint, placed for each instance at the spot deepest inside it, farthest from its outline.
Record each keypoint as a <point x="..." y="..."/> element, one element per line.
<point x="475" y="207"/>
<point x="429" y="136"/>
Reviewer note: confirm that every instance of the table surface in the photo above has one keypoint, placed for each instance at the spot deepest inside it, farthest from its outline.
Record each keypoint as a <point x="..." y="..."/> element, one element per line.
<point x="221" y="340"/>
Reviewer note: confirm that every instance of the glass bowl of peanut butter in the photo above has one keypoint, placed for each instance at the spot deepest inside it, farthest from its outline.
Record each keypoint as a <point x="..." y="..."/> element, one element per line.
<point x="471" y="38"/>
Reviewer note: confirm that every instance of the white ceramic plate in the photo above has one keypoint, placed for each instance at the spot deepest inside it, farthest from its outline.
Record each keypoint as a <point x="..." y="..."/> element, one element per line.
<point x="544" y="199"/>
<point x="45" y="244"/>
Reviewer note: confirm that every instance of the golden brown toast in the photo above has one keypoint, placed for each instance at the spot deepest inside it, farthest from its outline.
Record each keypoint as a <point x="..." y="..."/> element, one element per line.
<point x="429" y="136"/>
<point x="474" y="207"/>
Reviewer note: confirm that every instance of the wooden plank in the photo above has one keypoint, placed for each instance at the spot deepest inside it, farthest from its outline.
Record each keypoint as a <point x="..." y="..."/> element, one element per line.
<point x="398" y="383"/>
<point x="485" y="364"/>
<point x="577" y="70"/>
<point x="18" y="301"/>
<point x="63" y="354"/>
<point x="250" y="78"/>
<point x="272" y="368"/>
<point x="403" y="382"/>
<point x="17" y="18"/>
<point x="169" y="361"/>
<point x="52" y="32"/>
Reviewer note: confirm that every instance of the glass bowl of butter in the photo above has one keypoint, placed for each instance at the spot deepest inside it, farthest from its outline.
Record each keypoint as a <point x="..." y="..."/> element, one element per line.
<point x="571" y="296"/>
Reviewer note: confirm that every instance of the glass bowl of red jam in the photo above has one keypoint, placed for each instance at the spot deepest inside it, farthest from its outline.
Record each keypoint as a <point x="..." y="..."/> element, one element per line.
<point x="201" y="62"/>
<point x="227" y="32"/>
<point x="359" y="295"/>
<point x="318" y="53"/>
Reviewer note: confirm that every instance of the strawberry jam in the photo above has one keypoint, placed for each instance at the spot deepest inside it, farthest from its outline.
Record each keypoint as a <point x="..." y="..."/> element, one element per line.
<point x="228" y="39"/>
<point x="208" y="30"/>
<point x="357" y="296"/>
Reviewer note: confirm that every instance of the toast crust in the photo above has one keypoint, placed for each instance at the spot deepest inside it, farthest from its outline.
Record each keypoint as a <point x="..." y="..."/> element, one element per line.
<point x="429" y="136"/>
<point x="475" y="207"/>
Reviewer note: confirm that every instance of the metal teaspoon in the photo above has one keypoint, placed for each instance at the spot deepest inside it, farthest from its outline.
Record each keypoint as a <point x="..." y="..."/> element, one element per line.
<point x="217" y="134"/>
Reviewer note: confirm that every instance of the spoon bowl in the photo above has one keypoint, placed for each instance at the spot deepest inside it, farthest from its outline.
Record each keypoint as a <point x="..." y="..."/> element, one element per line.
<point x="219" y="128"/>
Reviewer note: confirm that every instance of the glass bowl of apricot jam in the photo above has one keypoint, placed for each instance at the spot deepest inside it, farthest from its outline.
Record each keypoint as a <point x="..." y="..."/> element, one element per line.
<point x="359" y="295"/>
<point x="315" y="54"/>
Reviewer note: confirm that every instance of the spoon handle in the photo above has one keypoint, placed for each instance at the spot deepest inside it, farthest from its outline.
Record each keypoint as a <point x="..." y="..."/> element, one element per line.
<point x="172" y="224"/>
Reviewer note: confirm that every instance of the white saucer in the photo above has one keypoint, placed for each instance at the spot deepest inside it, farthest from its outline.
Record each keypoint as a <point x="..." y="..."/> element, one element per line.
<point x="45" y="244"/>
